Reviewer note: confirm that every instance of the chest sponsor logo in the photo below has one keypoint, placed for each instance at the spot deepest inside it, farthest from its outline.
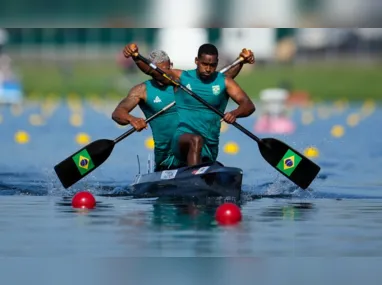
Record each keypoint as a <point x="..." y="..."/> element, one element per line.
<point x="157" y="100"/>
<point x="216" y="89"/>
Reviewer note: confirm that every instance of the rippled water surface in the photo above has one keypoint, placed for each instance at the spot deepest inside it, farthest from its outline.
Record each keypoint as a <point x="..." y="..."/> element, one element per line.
<point x="338" y="216"/>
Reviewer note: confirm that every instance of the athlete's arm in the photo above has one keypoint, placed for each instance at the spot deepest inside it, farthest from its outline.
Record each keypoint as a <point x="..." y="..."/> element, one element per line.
<point x="121" y="114"/>
<point x="246" y="106"/>
<point x="132" y="49"/>
<point x="234" y="71"/>
<point x="248" y="56"/>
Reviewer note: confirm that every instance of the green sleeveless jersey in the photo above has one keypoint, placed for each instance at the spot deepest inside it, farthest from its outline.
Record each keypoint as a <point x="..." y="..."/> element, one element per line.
<point x="195" y="117"/>
<point x="163" y="126"/>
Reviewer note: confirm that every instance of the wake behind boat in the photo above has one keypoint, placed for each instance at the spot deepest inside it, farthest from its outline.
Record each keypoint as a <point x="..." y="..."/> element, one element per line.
<point x="201" y="181"/>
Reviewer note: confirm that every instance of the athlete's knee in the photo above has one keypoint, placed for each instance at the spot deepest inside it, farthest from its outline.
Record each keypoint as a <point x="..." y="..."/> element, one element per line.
<point x="196" y="142"/>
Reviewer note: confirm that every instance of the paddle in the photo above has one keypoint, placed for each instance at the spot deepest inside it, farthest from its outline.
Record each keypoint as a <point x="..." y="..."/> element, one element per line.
<point x="285" y="159"/>
<point x="88" y="158"/>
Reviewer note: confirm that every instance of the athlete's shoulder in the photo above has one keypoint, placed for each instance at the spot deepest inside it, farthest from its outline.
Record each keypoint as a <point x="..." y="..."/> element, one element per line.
<point x="189" y="73"/>
<point x="138" y="90"/>
<point x="222" y="75"/>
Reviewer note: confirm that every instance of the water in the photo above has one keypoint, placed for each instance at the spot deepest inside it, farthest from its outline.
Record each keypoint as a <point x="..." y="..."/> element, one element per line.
<point x="337" y="217"/>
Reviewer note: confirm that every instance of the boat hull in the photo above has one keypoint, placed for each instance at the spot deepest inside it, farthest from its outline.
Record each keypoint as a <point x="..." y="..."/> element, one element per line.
<point x="204" y="180"/>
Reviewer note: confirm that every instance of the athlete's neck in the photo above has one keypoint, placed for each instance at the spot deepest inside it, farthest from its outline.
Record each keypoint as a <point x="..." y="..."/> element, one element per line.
<point x="159" y="86"/>
<point x="209" y="79"/>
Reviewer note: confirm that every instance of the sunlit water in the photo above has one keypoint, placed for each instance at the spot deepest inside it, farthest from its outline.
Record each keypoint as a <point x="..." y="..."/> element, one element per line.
<point x="338" y="216"/>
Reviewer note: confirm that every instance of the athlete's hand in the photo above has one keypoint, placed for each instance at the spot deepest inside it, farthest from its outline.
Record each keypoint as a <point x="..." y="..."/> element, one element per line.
<point x="230" y="117"/>
<point x="138" y="123"/>
<point x="130" y="50"/>
<point x="248" y="56"/>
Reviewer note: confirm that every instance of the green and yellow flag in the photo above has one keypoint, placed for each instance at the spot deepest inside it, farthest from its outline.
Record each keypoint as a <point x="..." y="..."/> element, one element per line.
<point x="289" y="162"/>
<point x="83" y="161"/>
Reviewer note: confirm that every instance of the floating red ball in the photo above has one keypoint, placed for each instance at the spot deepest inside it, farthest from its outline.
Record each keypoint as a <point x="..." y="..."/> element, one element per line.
<point x="83" y="200"/>
<point x="228" y="214"/>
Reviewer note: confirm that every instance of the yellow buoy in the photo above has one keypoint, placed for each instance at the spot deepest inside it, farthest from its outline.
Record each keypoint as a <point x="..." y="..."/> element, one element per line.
<point x="307" y="118"/>
<point x="223" y="127"/>
<point x="231" y="148"/>
<point x="16" y="110"/>
<point x="76" y="120"/>
<point x="337" y="131"/>
<point x="36" y="120"/>
<point x="83" y="138"/>
<point x="311" y="152"/>
<point x="323" y="112"/>
<point x="368" y="107"/>
<point x="149" y="143"/>
<point x="339" y="106"/>
<point x="21" y="137"/>
<point x="353" y="119"/>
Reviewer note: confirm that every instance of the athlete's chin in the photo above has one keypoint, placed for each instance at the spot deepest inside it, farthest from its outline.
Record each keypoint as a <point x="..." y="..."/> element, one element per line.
<point x="205" y="76"/>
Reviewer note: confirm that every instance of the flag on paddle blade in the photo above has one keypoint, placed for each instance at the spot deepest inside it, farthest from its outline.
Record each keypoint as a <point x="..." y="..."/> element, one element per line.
<point x="83" y="161"/>
<point x="289" y="162"/>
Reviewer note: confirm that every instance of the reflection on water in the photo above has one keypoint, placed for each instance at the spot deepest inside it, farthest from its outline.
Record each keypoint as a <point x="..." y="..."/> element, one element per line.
<point x="338" y="216"/>
<point x="43" y="226"/>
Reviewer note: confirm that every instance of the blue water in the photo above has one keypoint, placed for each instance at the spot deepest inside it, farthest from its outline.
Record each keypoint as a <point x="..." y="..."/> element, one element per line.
<point x="338" y="216"/>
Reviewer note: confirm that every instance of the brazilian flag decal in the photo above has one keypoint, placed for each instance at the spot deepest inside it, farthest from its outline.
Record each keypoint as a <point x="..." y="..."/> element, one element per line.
<point x="289" y="162"/>
<point x="83" y="161"/>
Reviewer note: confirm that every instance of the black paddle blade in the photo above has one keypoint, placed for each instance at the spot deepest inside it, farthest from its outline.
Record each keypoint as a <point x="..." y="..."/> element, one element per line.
<point x="84" y="161"/>
<point x="289" y="162"/>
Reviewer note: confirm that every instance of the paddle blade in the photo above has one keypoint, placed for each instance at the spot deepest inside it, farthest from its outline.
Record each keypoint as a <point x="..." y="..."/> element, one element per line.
<point x="289" y="162"/>
<point x="84" y="161"/>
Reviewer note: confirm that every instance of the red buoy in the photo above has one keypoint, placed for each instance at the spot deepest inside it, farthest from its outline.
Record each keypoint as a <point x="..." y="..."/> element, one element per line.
<point x="228" y="214"/>
<point x="83" y="200"/>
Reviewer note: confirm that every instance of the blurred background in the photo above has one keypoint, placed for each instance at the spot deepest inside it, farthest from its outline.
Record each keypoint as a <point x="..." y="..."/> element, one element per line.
<point x="316" y="89"/>
<point x="71" y="79"/>
<point x="192" y="13"/>
<point x="324" y="64"/>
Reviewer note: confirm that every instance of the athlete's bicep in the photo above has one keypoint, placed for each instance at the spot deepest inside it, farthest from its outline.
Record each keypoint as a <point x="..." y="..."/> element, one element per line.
<point x="235" y="91"/>
<point x="136" y="94"/>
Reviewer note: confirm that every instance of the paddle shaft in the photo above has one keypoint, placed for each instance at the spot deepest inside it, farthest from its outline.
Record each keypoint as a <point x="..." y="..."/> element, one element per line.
<point x="132" y="130"/>
<point x="201" y="100"/>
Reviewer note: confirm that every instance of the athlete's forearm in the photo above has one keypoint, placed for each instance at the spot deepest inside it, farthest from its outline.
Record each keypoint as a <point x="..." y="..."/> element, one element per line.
<point x="245" y="109"/>
<point x="121" y="117"/>
<point x="234" y="71"/>
<point x="145" y="68"/>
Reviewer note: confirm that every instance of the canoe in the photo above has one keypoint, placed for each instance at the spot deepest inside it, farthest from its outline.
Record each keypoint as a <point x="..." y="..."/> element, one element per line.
<point x="204" y="180"/>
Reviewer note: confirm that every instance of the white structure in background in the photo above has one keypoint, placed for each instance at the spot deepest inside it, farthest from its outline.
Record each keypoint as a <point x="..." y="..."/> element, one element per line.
<point x="181" y="43"/>
<point x="175" y="13"/>
<point x="369" y="34"/>
<point x="274" y="119"/>
<point x="262" y="41"/>
<point x="259" y="13"/>
<point x="10" y="89"/>
<point x="351" y="12"/>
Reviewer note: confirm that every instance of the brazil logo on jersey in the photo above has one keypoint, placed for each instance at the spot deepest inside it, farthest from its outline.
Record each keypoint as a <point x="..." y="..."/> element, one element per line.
<point x="83" y="161"/>
<point x="289" y="162"/>
<point x="216" y="89"/>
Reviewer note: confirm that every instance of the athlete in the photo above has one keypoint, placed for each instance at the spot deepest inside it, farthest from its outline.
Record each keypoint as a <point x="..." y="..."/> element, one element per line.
<point x="196" y="138"/>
